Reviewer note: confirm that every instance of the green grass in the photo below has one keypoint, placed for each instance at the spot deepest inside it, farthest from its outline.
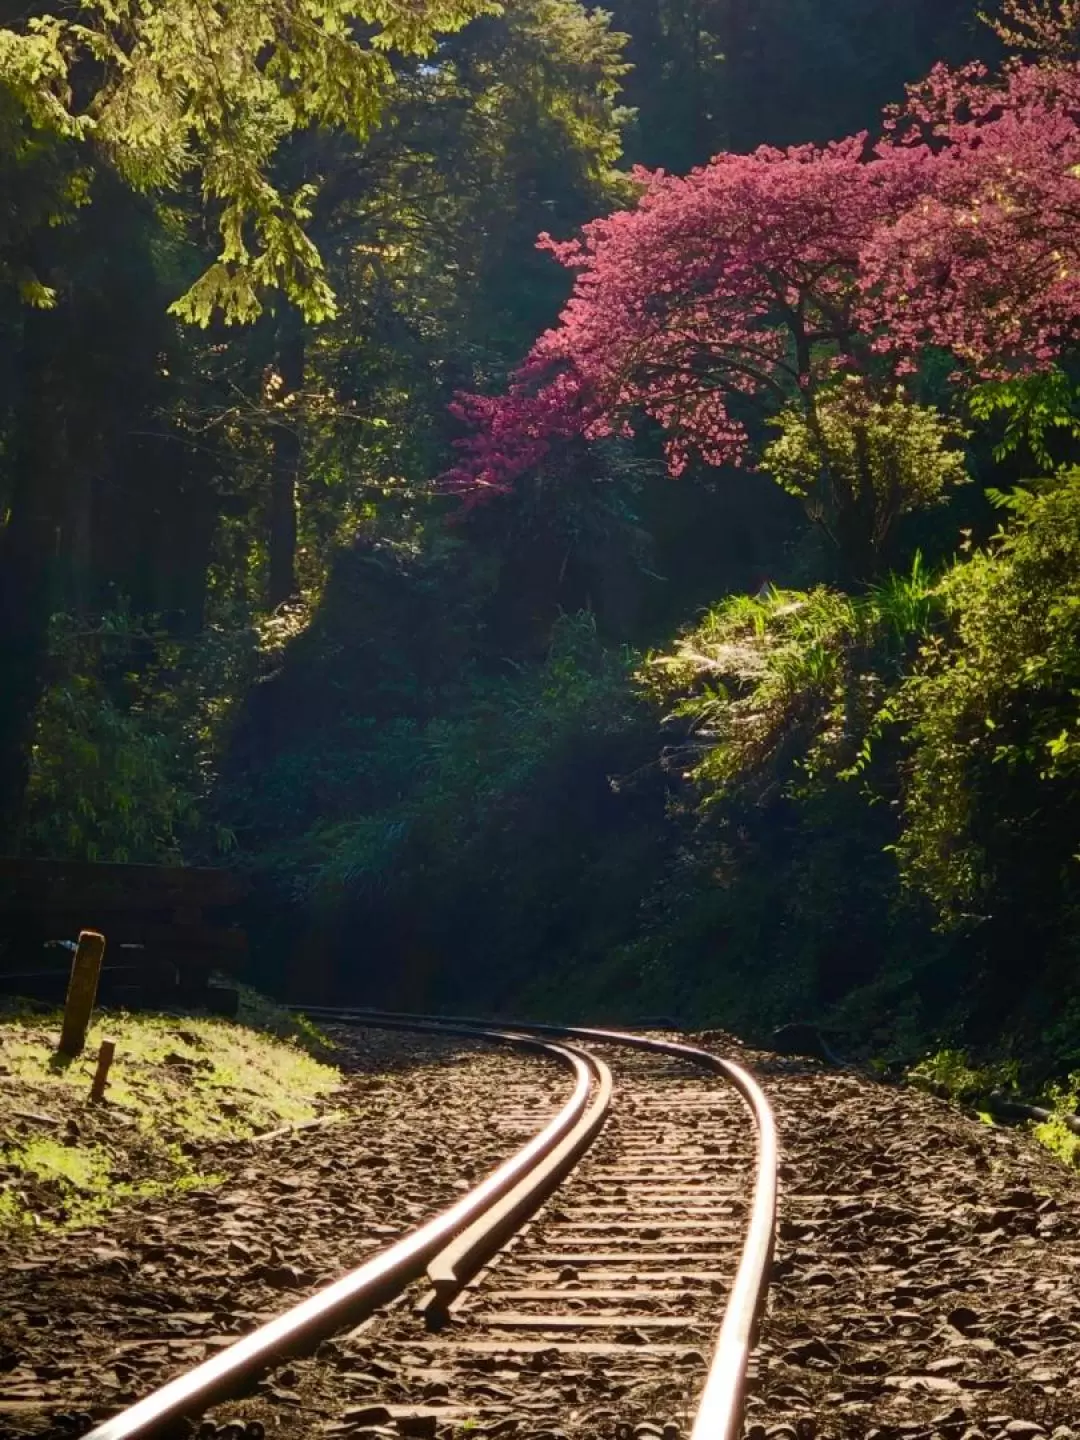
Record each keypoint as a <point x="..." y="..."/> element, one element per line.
<point x="177" y="1087"/>
<point x="1054" y="1133"/>
<point x="46" y="1159"/>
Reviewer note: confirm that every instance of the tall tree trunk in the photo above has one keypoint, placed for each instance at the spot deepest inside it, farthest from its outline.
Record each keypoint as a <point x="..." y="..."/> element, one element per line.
<point x="288" y="455"/>
<point x="28" y="550"/>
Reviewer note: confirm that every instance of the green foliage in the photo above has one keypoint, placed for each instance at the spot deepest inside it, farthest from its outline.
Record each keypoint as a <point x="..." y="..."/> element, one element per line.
<point x="126" y="742"/>
<point x="424" y="225"/>
<point x="103" y="785"/>
<point x="777" y="895"/>
<point x="181" y="89"/>
<point x="859" y="463"/>
<point x="1034" y="407"/>
<point x="789" y="687"/>
<point x="954" y="1075"/>
<point x="460" y="811"/>
<point x="1064" y="1099"/>
<point x="43" y="183"/>
<point x="993" y="710"/>
<point x="904" y="606"/>
<point x="950" y="1072"/>
<point x="443" y="746"/>
<point x="451" y="785"/>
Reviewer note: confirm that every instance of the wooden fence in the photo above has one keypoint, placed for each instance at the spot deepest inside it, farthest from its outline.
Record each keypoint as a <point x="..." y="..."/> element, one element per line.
<point x="166" y="929"/>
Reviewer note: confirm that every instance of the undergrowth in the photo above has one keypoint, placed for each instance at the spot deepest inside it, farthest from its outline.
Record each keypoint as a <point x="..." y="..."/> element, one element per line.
<point x="1064" y="1099"/>
<point x="952" y="1074"/>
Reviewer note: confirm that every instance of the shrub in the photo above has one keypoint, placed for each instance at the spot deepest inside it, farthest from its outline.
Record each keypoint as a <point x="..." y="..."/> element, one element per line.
<point x="127" y="737"/>
<point x="774" y="691"/>
<point x="859" y="462"/>
<point x="780" y="895"/>
<point x="993" y="710"/>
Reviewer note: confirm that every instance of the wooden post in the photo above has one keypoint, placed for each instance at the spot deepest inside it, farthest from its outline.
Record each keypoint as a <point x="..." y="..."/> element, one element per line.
<point x="82" y="992"/>
<point x="104" y="1060"/>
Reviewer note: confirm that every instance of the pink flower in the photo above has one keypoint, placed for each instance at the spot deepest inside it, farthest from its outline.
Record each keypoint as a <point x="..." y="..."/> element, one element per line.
<point x="757" y="275"/>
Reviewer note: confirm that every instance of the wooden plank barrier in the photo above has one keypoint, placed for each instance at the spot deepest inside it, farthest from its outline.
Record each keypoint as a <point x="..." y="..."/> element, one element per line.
<point x="168" y="927"/>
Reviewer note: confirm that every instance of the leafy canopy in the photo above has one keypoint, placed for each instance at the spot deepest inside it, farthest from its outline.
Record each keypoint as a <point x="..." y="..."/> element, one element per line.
<point x="184" y="88"/>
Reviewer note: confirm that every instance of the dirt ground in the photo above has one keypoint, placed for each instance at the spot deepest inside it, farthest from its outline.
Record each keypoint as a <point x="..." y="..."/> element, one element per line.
<point x="927" y="1277"/>
<point x="926" y="1280"/>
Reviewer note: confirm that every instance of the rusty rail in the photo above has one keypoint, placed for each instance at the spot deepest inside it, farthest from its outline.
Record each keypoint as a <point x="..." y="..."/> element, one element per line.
<point x="539" y="1163"/>
<point x="722" y="1406"/>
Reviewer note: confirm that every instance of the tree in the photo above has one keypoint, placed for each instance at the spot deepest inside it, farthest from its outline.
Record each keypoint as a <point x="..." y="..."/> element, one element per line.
<point x="180" y="91"/>
<point x="426" y="230"/>
<point x="714" y="75"/>
<point x="737" y="284"/>
<point x="765" y="277"/>
<point x="162" y="98"/>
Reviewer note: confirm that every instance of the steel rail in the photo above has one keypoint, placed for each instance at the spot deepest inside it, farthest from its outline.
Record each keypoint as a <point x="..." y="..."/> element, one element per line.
<point x="722" y="1406"/>
<point x="454" y="1266"/>
<point x="387" y="1273"/>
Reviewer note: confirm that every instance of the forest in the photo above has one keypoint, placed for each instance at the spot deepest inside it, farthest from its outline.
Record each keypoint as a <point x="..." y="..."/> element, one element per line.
<point x="581" y="505"/>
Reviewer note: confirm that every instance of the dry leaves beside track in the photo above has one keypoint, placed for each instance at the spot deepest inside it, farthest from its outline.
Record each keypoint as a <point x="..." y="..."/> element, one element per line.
<point x="927" y="1280"/>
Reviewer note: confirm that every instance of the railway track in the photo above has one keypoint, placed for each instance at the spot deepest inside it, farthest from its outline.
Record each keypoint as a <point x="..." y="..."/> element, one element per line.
<point x="578" y="1291"/>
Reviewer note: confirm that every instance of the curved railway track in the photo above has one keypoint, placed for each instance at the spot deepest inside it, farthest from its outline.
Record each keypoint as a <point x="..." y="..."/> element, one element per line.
<point x="594" y="1314"/>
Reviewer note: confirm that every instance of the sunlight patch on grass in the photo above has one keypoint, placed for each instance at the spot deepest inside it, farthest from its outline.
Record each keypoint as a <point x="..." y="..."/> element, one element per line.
<point x="177" y="1086"/>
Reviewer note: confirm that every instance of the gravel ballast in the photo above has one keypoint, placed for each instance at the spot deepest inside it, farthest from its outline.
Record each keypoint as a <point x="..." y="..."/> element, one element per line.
<point x="92" y="1319"/>
<point x="926" y="1281"/>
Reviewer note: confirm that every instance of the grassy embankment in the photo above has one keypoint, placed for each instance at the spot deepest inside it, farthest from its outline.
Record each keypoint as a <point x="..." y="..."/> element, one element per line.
<point x="179" y="1087"/>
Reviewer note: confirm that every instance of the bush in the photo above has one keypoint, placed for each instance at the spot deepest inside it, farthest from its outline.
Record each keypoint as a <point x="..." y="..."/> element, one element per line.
<point x="461" y="779"/>
<point x="777" y="692"/>
<point x="127" y="738"/>
<point x="779" y="895"/>
<point x="859" y="462"/>
<point x="992" y="796"/>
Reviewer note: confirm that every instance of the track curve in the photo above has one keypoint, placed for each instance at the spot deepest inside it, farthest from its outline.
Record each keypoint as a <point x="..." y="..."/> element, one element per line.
<point x="674" y="1221"/>
<point x="720" y="1408"/>
<point x="388" y="1272"/>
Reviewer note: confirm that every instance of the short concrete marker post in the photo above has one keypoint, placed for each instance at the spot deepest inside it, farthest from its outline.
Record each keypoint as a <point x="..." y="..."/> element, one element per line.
<point x="82" y="992"/>
<point x="101" y="1075"/>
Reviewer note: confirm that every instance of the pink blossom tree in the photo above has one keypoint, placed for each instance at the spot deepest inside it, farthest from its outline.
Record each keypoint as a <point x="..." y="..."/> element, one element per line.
<point x="734" y="281"/>
<point x="986" y="263"/>
<point x="807" y="278"/>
